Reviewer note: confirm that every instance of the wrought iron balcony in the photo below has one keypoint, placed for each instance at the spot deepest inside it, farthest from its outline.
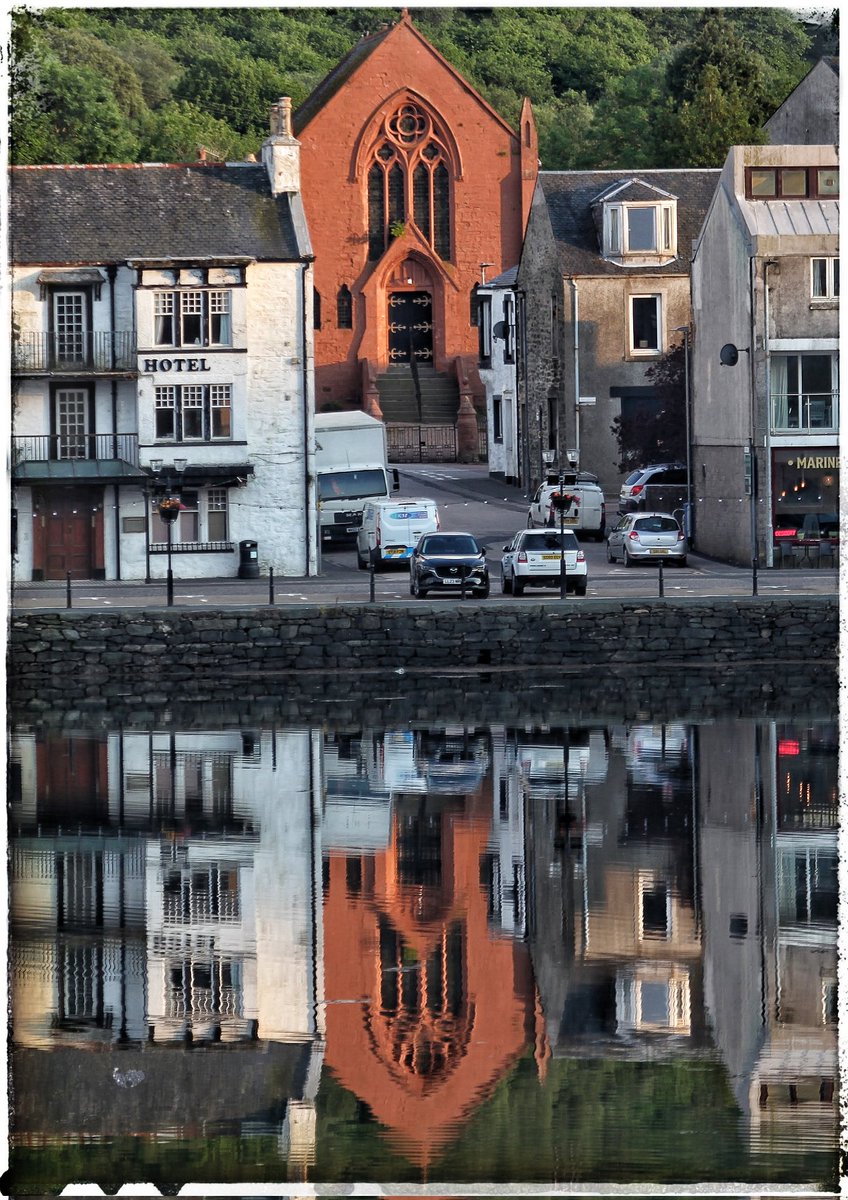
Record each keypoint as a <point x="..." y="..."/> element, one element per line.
<point x="74" y="353"/>
<point x="62" y="447"/>
<point x="804" y="412"/>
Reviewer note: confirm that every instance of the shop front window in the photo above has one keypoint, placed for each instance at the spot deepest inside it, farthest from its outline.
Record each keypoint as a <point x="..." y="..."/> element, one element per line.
<point x="805" y="507"/>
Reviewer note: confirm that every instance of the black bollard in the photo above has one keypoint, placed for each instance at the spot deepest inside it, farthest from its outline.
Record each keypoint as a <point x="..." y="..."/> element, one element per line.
<point x="462" y="584"/>
<point x="67" y="589"/>
<point x="661" y="591"/>
<point x="270" y="585"/>
<point x="371" y="595"/>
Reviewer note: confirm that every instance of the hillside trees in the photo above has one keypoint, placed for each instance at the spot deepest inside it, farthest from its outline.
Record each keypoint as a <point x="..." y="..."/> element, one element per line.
<point x="611" y="87"/>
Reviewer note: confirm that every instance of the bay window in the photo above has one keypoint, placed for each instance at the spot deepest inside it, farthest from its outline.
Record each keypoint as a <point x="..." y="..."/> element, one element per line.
<point x="640" y="230"/>
<point x="201" y="523"/>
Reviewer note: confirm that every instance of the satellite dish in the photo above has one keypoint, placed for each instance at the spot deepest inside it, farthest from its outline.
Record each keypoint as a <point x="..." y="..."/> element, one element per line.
<point x="729" y="355"/>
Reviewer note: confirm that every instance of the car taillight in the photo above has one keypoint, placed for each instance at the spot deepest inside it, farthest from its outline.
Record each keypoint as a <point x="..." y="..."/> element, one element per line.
<point x="636" y="489"/>
<point x="377" y="536"/>
<point x="522" y="556"/>
<point x="438" y="523"/>
<point x="581" y="557"/>
<point x="633" y="534"/>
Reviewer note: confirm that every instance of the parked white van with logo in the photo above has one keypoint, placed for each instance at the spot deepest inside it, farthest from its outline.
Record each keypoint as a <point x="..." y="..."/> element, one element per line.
<point x="391" y="528"/>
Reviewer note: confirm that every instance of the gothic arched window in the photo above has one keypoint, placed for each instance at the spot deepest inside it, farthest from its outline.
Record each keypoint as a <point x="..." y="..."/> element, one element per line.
<point x="409" y="180"/>
<point x="344" y="308"/>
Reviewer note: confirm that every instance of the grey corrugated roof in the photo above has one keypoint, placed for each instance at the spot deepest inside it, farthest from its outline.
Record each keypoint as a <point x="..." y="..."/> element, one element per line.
<point x="570" y="195"/>
<point x="98" y="214"/>
<point x="791" y="218"/>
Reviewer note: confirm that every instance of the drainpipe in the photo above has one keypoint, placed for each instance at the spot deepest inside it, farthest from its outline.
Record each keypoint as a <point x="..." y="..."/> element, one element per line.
<point x="575" y="320"/>
<point x="752" y="368"/>
<point x="767" y="348"/>
<point x="312" y="542"/>
<point x="112" y="271"/>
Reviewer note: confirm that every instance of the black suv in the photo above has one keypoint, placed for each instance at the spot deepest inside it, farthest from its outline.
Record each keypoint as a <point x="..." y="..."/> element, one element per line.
<point x="448" y="562"/>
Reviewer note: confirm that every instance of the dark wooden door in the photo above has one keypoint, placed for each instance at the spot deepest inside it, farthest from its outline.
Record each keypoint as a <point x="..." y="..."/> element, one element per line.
<point x="68" y="540"/>
<point x="410" y="327"/>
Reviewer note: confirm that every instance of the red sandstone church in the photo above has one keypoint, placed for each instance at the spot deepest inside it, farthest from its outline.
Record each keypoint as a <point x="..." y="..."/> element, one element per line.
<point x="410" y="182"/>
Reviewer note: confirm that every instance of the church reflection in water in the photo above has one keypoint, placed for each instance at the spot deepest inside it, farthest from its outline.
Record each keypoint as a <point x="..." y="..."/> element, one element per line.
<point x="209" y="926"/>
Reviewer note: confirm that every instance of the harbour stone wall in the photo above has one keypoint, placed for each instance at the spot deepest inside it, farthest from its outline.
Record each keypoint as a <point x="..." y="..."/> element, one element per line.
<point x="93" y="660"/>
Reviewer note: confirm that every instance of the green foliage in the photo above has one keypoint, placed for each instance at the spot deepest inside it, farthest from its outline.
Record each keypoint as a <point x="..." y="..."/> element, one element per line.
<point x="611" y="87"/>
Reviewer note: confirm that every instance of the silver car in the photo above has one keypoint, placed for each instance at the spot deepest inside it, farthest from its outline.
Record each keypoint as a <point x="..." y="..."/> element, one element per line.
<point x="640" y="537"/>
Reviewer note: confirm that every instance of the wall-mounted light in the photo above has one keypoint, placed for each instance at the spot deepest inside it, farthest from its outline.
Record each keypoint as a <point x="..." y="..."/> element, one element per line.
<point x="180" y="464"/>
<point x="156" y="465"/>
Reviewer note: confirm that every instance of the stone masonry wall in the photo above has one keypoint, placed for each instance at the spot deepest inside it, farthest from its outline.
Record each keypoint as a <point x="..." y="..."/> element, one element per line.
<point x="93" y="660"/>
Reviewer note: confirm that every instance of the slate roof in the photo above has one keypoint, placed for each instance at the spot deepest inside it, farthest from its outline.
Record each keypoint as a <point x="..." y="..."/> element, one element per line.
<point x="99" y="214"/>
<point x="570" y="196"/>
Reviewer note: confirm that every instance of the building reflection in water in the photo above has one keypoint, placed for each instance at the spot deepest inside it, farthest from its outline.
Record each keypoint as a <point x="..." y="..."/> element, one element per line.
<point x="205" y="921"/>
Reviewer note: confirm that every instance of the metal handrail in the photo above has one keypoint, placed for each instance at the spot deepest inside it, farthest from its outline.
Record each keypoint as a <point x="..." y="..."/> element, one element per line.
<point x="75" y="352"/>
<point x="61" y="447"/>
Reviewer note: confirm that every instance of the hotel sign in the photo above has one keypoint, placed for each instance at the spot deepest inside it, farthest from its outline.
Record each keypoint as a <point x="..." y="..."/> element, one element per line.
<point x="151" y="365"/>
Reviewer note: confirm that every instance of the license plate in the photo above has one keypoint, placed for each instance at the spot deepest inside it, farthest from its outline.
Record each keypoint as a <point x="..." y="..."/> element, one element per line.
<point x="570" y="521"/>
<point x="395" y="552"/>
<point x="659" y="550"/>
<point x="352" y="529"/>
<point x="551" y="557"/>
<point x="456" y="581"/>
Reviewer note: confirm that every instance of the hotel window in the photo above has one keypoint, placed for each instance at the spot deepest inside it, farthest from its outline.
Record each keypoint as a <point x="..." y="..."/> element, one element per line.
<point x="203" y="518"/>
<point x="193" y="412"/>
<point x="192" y="318"/>
<point x="825" y="278"/>
<point x="645" y="325"/>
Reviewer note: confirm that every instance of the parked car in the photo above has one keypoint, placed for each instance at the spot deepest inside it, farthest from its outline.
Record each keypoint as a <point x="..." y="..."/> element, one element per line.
<point x="442" y="562"/>
<point x="390" y="530"/>
<point x="660" y="487"/>
<point x="585" y="510"/>
<point x="532" y="559"/>
<point x="639" y="537"/>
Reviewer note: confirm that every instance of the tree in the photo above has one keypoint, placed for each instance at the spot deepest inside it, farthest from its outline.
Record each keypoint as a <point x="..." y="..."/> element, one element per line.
<point x="655" y="430"/>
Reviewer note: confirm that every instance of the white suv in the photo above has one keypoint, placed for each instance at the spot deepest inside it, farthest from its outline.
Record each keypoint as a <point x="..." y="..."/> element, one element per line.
<point x="532" y="559"/>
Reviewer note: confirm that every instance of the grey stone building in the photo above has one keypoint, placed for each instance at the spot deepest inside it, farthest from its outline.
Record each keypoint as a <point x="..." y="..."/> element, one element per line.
<point x="765" y="281"/>
<point x="603" y="293"/>
<point x="810" y="113"/>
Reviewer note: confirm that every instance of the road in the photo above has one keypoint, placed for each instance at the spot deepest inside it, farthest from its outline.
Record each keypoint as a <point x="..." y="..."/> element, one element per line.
<point x="469" y="501"/>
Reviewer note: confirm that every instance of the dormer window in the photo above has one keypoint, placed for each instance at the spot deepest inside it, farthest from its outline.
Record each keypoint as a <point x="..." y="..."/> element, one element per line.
<point x="640" y="230"/>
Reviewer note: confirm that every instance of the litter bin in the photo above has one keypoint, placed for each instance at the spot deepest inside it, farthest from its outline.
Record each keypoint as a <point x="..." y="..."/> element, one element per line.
<point x="248" y="560"/>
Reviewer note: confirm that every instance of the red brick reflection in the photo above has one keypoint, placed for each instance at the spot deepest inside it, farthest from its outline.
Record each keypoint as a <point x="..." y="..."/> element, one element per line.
<point x="428" y="1008"/>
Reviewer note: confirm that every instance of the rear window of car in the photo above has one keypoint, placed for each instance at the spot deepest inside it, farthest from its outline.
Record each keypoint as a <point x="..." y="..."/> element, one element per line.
<point x="672" y="476"/>
<point x="657" y="525"/>
<point x="549" y="541"/>
<point x="632" y="478"/>
<point x="449" y="545"/>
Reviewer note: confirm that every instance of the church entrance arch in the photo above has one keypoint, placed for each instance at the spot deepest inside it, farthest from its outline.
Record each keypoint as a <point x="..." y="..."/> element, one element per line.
<point x="410" y="327"/>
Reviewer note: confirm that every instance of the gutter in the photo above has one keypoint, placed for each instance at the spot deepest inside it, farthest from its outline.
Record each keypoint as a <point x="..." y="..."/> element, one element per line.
<point x="576" y="350"/>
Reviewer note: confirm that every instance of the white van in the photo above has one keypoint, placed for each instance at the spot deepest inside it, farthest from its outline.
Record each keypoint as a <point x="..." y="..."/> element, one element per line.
<point x="390" y="530"/>
<point x="585" y="510"/>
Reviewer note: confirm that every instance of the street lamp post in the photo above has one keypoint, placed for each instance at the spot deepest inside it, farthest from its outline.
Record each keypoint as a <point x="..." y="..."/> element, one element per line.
<point x="561" y="534"/>
<point x="169" y="510"/>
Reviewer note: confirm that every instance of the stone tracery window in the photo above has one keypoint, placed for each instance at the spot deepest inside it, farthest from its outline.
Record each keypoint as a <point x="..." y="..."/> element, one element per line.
<point x="409" y="180"/>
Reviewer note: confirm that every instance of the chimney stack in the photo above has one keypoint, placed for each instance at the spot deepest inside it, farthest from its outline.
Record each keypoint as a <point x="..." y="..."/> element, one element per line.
<point x="281" y="150"/>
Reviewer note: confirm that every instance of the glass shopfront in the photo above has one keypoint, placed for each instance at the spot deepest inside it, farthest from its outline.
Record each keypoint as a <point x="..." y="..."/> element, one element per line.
<point x="805" y="506"/>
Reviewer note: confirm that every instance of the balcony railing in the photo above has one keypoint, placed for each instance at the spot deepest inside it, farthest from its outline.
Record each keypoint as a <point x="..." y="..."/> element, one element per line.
<point x="59" y="447"/>
<point x="74" y="353"/>
<point x="805" y="412"/>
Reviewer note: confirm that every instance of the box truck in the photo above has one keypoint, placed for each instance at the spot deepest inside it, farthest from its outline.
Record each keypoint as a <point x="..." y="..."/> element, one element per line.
<point x="351" y="468"/>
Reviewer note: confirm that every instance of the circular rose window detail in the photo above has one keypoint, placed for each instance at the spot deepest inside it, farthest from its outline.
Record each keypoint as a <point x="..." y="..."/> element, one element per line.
<point x="408" y="125"/>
